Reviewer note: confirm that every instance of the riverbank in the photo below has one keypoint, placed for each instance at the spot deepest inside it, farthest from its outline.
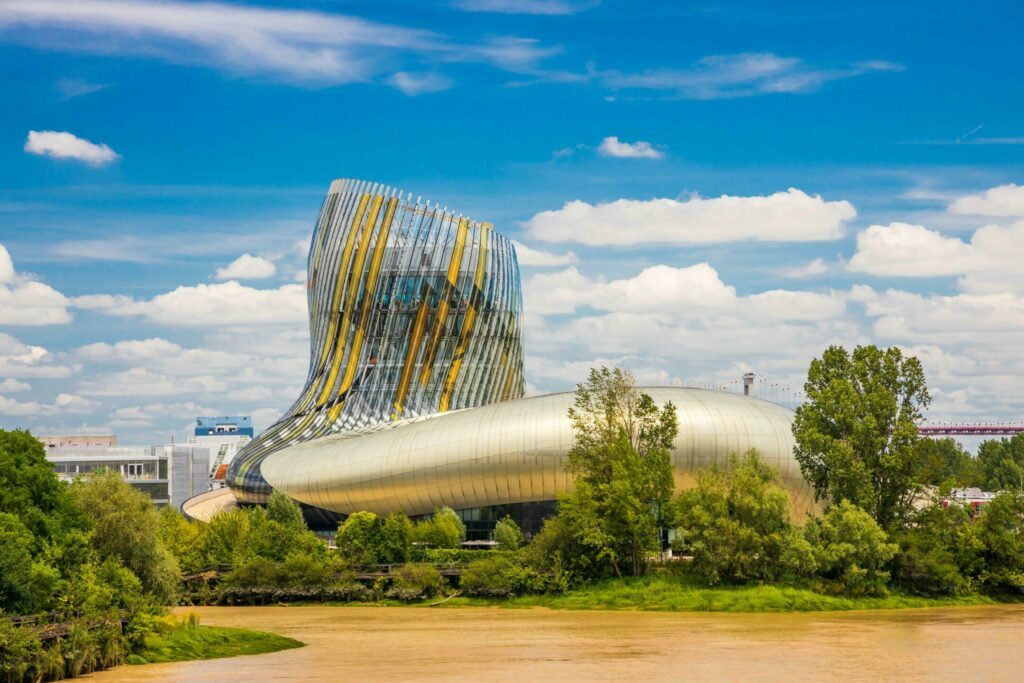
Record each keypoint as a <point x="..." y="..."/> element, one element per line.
<point x="184" y="639"/>
<point x="667" y="593"/>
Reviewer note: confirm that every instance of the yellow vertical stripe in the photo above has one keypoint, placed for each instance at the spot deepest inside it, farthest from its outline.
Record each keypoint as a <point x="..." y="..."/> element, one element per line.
<point x="444" y="306"/>
<point x="353" y="287"/>
<point x="410" y="357"/>
<point x="467" y="324"/>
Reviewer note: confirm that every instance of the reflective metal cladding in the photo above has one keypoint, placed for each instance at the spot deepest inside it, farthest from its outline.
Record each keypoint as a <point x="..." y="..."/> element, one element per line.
<point x="413" y="310"/>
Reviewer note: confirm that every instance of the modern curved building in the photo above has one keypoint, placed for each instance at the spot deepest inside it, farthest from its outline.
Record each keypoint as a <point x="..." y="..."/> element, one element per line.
<point x="414" y="394"/>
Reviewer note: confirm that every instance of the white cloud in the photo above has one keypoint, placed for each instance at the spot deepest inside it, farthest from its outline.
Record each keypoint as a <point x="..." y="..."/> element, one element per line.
<point x="521" y="6"/>
<point x="64" y="145"/>
<point x="64" y="404"/>
<point x="70" y="88"/>
<point x="12" y="386"/>
<point x="1001" y="201"/>
<point x="291" y="45"/>
<point x="142" y="381"/>
<point x="809" y="269"/>
<point x="27" y="302"/>
<point x="529" y="257"/>
<point x="739" y="75"/>
<point x="23" y="360"/>
<point x="789" y="216"/>
<point x="147" y="415"/>
<point x="613" y="147"/>
<point x="247" y="267"/>
<point x="420" y="83"/>
<point x="227" y="303"/>
<point x="989" y="263"/>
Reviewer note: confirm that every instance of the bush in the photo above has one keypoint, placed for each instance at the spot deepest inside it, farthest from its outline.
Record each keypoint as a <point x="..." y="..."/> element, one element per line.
<point x="851" y="550"/>
<point x="1001" y="533"/>
<point x="507" y="534"/>
<point x="443" y="530"/>
<point x="501" y="576"/>
<point x="415" y="581"/>
<point x="358" y="538"/>
<point x="938" y="553"/>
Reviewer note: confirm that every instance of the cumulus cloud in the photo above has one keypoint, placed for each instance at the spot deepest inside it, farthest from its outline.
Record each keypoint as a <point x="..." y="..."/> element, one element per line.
<point x="1001" y="201"/>
<point x="989" y="263"/>
<point x="247" y="267"/>
<point x="25" y="360"/>
<point x="64" y="404"/>
<point x="227" y="303"/>
<point x="27" y="302"/>
<point x="13" y="386"/>
<point x="613" y="147"/>
<point x="740" y="75"/>
<point x="790" y="216"/>
<point x="64" y="145"/>
<point x="420" y="83"/>
<point x="147" y="415"/>
<point x="530" y="257"/>
<point x="291" y="45"/>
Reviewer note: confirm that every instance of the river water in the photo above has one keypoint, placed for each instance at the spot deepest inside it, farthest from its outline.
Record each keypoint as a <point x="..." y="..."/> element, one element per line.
<point x="494" y="644"/>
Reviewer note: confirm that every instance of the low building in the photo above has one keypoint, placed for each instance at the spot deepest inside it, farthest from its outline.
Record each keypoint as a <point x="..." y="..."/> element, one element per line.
<point x="77" y="440"/>
<point x="169" y="474"/>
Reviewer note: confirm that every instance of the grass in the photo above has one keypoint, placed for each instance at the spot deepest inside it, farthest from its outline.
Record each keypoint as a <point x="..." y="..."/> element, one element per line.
<point x="671" y="593"/>
<point x="185" y="639"/>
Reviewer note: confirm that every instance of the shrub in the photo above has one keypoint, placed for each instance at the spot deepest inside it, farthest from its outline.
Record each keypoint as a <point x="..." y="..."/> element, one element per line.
<point x="937" y="553"/>
<point x="501" y="576"/>
<point x="415" y="581"/>
<point x="507" y="534"/>
<point x="443" y="530"/>
<point x="1001" y="532"/>
<point x="358" y="538"/>
<point x="851" y="550"/>
<point x="396" y="539"/>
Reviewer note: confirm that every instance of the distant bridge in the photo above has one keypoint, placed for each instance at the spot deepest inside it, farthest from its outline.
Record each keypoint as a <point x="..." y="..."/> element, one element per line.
<point x="969" y="429"/>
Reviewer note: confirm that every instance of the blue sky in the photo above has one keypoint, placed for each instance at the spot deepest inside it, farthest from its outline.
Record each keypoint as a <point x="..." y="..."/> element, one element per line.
<point x="642" y="153"/>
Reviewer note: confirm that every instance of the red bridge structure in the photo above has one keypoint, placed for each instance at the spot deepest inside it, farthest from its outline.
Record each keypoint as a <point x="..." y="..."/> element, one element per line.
<point x="970" y="429"/>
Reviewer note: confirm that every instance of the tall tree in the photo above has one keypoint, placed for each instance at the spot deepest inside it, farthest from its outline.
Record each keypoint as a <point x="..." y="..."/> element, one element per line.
<point x="1001" y="462"/>
<point x="857" y="433"/>
<point x="622" y="464"/>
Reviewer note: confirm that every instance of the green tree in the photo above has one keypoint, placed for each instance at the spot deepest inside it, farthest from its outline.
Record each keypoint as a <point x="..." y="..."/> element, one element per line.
<point x="396" y="538"/>
<point x="126" y="527"/>
<point x="939" y="552"/>
<point x="856" y="435"/>
<point x="851" y="549"/>
<point x="358" y="538"/>
<point x="444" y="529"/>
<point x="285" y="511"/>
<point x="507" y="534"/>
<point x="1001" y="533"/>
<point x="622" y="467"/>
<point x="736" y="525"/>
<point x="944" y="463"/>
<point x="1001" y="462"/>
<point x="183" y="538"/>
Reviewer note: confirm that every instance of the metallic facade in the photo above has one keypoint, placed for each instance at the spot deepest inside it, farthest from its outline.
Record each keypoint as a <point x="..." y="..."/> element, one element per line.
<point x="413" y="310"/>
<point x="514" y="452"/>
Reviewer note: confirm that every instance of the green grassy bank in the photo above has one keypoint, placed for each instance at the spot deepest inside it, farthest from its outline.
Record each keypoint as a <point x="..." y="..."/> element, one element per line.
<point x="185" y="639"/>
<point x="676" y="594"/>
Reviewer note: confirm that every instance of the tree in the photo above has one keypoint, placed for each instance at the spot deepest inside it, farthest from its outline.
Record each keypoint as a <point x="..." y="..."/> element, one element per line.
<point x="1001" y="462"/>
<point x="939" y="552"/>
<point x="444" y="529"/>
<point x="851" y="549"/>
<point x="1001" y="533"/>
<point x="126" y="527"/>
<point x="358" y="538"/>
<point x="396" y="538"/>
<point x="622" y="467"/>
<point x="507" y="534"/>
<point x="944" y="463"/>
<point x="736" y="525"/>
<point x="856" y="435"/>
<point x="284" y="510"/>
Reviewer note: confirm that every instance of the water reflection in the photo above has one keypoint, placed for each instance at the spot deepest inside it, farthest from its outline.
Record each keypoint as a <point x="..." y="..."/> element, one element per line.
<point x="380" y="643"/>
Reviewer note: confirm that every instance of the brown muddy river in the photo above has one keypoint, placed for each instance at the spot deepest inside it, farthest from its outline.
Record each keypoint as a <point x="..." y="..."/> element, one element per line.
<point x="395" y="643"/>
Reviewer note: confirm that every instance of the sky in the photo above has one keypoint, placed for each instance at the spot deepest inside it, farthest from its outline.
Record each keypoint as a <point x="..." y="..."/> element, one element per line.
<point x="697" y="190"/>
